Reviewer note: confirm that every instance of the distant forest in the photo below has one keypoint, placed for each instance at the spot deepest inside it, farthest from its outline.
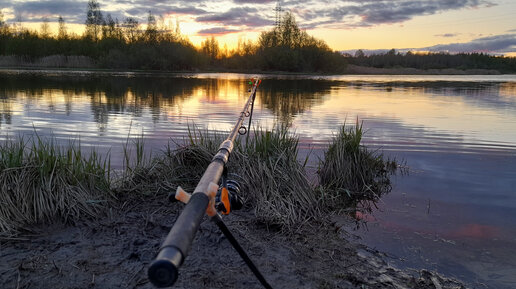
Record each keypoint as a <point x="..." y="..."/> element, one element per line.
<point x="425" y="61"/>
<point x="109" y="43"/>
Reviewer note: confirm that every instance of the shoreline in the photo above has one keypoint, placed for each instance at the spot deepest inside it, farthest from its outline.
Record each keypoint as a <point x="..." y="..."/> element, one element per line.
<point x="115" y="252"/>
<point x="350" y="70"/>
<point x="304" y="246"/>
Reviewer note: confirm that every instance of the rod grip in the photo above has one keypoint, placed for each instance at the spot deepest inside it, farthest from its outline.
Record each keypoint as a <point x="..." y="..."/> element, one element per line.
<point x="164" y="269"/>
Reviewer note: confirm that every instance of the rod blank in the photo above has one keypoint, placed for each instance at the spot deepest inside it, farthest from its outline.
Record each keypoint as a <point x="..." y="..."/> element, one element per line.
<point x="163" y="271"/>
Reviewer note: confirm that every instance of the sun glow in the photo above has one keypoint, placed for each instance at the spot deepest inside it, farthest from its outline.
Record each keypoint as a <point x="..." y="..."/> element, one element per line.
<point x="232" y="23"/>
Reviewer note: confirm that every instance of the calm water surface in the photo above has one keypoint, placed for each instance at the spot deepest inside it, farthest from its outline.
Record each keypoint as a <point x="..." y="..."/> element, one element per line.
<point x="456" y="210"/>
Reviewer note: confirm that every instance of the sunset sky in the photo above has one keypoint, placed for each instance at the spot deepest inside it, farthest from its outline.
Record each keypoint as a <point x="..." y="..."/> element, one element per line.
<point x="426" y="25"/>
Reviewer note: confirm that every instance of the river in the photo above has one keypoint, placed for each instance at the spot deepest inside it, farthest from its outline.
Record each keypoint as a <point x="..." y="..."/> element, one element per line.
<point x="455" y="211"/>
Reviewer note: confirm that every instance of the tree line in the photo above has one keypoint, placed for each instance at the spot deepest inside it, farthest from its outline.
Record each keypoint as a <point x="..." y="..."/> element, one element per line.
<point x="434" y="60"/>
<point x="157" y="45"/>
<point x="111" y="43"/>
<point x="107" y="41"/>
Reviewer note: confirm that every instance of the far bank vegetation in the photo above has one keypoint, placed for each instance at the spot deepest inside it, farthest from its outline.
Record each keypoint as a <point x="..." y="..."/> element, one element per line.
<point x="158" y="44"/>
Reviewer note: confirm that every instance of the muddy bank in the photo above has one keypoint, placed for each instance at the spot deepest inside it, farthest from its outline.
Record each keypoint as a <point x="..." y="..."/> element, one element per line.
<point x="115" y="251"/>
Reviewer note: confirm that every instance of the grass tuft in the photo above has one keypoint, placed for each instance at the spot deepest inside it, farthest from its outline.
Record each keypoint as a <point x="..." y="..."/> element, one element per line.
<point x="277" y="183"/>
<point x="41" y="181"/>
<point x="351" y="175"/>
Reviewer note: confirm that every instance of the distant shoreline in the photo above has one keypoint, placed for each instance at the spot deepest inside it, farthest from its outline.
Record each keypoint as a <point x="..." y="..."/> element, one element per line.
<point x="350" y="70"/>
<point x="355" y="69"/>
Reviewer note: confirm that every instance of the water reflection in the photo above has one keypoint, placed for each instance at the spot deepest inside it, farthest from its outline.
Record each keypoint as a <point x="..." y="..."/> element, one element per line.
<point x="455" y="132"/>
<point x="109" y="97"/>
<point x="5" y="111"/>
<point x="291" y="97"/>
<point x="487" y="94"/>
<point x="285" y="99"/>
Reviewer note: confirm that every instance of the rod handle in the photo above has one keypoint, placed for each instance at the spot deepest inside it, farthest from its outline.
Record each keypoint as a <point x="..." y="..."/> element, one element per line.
<point x="164" y="269"/>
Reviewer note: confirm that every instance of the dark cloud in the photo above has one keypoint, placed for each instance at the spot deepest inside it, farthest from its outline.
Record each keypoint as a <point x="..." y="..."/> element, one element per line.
<point x="140" y="12"/>
<point x="216" y="31"/>
<point x="254" y="1"/>
<point x="355" y="13"/>
<point x="34" y="11"/>
<point x="258" y="13"/>
<point x="187" y="10"/>
<point x="75" y="11"/>
<point x="239" y="16"/>
<point x="399" y="11"/>
<point x="497" y="44"/>
<point x="447" y="35"/>
<point x="493" y="44"/>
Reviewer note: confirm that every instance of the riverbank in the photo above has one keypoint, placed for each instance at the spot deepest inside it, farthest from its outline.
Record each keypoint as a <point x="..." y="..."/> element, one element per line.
<point x="354" y="69"/>
<point x="116" y="250"/>
<point x="291" y="228"/>
<point x="72" y="64"/>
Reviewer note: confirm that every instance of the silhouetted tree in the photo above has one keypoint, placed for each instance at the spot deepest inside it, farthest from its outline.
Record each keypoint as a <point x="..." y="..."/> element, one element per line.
<point x="289" y="48"/>
<point x="130" y="28"/>
<point x="109" y="27"/>
<point x="94" y="20"/>
<point x="210" y="47"/>
<point x="4" y="28"/>
<point x="151" y="33"/>
<point x="2" y="22"/>
<point x="359" y="53"/>
<point x="45" y="28"/>
<point x="61" y="29"/>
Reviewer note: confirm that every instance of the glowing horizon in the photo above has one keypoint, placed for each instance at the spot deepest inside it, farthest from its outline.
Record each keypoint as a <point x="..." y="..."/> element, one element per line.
<point x="468" y="26"/>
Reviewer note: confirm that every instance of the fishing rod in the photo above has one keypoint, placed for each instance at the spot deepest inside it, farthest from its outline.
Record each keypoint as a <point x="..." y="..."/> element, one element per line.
<point x="207" y="198"/>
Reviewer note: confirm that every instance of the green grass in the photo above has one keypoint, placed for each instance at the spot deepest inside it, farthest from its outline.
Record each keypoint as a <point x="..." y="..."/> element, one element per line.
<point x="277" y="183"/>
<point x="351" y="175"/>
<point x="42" y="182"/>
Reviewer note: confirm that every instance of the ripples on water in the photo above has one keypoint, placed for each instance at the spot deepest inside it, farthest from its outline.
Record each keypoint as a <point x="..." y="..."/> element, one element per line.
<point x="455" y="211"/>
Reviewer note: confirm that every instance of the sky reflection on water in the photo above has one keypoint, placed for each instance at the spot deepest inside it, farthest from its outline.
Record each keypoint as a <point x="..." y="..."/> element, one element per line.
<point x="456" y="134"/>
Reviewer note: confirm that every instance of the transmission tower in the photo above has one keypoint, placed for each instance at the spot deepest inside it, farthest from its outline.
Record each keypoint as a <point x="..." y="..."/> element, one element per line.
<point x="278" y="10"/>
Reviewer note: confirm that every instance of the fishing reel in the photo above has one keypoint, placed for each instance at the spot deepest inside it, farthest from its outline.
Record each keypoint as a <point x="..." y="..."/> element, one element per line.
<point x="225" y="197"/>
<point x="228" y="197"/>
